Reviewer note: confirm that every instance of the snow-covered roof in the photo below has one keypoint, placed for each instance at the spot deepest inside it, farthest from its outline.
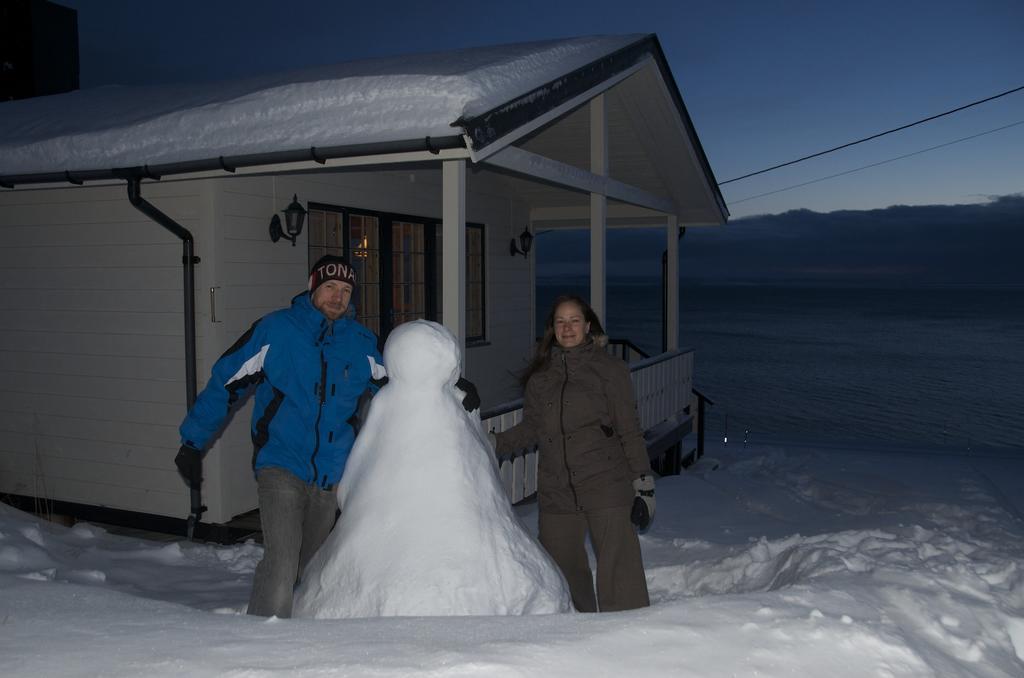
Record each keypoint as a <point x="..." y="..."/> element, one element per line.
<point x="360" y="103"/>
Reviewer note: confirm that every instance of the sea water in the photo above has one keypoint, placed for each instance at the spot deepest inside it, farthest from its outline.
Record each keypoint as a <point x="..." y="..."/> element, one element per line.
<point x="929" y="366"/>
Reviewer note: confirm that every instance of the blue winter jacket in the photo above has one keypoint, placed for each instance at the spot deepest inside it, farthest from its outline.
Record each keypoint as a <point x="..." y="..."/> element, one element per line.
<point x="309" y="374"/>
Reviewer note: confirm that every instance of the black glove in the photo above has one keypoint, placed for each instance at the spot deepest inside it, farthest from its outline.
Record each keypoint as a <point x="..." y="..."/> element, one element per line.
<point x="189" y="461"/>
<point x="472" y="399"/>
<point x="643" y="504"/>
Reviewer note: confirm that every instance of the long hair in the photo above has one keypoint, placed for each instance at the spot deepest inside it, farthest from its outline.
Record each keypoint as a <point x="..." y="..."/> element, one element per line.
<point x="542" y="352"/>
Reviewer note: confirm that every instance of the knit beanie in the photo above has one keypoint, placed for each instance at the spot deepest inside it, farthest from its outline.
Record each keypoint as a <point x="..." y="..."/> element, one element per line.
<point x="331" y="267"/>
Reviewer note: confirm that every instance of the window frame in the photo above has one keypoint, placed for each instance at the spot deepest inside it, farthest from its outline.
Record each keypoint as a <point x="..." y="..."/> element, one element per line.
<point x="431" y="265"/>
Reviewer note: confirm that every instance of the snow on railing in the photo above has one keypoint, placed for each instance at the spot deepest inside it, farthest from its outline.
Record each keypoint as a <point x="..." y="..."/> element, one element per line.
<point x="661" y="386"/>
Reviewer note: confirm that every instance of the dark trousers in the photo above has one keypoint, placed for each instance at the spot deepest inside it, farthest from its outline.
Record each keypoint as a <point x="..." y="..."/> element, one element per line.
<point x="621" y="584"/>
<point x="296" y="519"/>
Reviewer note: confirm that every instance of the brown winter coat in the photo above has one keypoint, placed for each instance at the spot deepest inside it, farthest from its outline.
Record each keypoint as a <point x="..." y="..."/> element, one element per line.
<point x="580" y="412"/>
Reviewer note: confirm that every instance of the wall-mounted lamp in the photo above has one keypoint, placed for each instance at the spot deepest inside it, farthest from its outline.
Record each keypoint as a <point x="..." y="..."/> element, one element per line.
<point x="294" y="215"/>
<point x="525" y="241"/>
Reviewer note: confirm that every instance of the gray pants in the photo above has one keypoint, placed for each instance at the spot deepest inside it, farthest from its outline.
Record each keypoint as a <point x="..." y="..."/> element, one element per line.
<point x="621" y="583"/>
<point x="296" y="519"/>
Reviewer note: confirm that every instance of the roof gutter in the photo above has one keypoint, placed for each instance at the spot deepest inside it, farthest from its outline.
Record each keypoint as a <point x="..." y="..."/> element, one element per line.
<point x="188" y="261"/>
<point x="229" y="163"/>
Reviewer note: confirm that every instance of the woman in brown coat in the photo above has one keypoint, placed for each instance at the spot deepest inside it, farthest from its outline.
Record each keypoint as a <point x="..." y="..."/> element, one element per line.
<point x="578" y="408"/>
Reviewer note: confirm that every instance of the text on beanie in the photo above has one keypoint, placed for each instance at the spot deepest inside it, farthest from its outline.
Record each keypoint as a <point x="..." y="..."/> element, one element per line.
<point x="331" y="267"/>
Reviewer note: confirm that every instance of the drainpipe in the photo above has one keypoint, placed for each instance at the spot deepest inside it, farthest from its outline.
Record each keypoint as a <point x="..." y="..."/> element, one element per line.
<point x="189" y="261"/>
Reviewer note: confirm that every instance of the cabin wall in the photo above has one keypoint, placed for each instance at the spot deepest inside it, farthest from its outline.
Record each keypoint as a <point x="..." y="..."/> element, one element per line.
<point x="510" y="296"/>
<point x="92" y="381"/>
<point x="92" y="385"/>
<point x="247" y="211"/>
<point x="254" y="276"/>
<point x="243" y="277"/>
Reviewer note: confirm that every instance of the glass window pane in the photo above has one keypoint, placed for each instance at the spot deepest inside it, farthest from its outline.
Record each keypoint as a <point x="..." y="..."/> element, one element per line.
<point x="407" y="271"/>
<point x="410" y="288"/>
<point x="365" y="258"/>
<point x="315" y="253"/>
<point x="475" y="259"/>
<point x="333" y="232"/>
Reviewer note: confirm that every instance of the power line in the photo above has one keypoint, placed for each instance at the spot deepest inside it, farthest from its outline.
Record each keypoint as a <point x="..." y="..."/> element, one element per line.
<point x="876" y="164"/>
<point x="873" y="136"/>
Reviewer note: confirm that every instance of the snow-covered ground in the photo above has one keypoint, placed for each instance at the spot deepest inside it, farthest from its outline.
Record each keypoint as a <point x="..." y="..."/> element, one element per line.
<point x="785" y="560"/>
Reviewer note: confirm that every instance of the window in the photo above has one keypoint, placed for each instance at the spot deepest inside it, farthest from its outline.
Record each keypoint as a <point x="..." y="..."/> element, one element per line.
<point x="365" y="254"/>
<point x="408" y="271"/>
<point x="398" y="265"/>
<point x="476" y="257"/>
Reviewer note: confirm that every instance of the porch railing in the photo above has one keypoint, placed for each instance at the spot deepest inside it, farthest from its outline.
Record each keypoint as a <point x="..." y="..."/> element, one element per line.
<point x="662" y="386"/>
<point x="626" y="349"/>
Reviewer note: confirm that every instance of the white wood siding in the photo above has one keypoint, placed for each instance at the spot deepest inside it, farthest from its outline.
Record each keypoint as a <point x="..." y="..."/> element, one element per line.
<point x="509" y="292"/>
<point x="92" y="385"/>
<point x="92" y="381"/>
<point x="254" y="276"/>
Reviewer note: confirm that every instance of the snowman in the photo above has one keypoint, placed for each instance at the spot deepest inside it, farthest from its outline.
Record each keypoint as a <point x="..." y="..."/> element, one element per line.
<point x="425" y="526"/>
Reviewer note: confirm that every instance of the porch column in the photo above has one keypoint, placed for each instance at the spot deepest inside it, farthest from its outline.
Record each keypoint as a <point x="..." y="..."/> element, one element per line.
<point x="672" y="283"/>
<point x="453" y="248"/>
<point x="598" y="208"/>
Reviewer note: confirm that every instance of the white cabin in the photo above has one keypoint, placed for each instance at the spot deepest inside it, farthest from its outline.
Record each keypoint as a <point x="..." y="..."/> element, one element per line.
<point x="419" y="169"/>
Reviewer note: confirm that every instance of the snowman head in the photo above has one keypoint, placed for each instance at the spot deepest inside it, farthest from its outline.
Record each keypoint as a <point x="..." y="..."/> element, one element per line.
<point x="421" y="354"/>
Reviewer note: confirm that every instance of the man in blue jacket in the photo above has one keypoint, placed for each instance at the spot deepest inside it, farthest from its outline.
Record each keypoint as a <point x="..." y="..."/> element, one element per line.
<point x="310" y="365"/>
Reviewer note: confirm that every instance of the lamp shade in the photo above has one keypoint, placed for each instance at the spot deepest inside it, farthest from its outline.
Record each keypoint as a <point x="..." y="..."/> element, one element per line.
<point x="294" y="215"/>
<point x="525" y="241"/>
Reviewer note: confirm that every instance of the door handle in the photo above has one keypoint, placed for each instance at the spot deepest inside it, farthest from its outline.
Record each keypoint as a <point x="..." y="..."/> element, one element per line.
<point x="213" y="305"/>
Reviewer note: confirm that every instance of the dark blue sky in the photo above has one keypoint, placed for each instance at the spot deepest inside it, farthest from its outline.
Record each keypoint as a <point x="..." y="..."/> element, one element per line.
<point x="765" y="82"/>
